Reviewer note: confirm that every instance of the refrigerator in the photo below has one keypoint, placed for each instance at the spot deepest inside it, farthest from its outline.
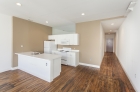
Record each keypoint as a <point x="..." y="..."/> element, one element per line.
<point x="49" y="46"/>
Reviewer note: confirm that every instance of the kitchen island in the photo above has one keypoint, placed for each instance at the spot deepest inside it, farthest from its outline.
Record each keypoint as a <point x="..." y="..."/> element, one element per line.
<point x="44" y="66"/>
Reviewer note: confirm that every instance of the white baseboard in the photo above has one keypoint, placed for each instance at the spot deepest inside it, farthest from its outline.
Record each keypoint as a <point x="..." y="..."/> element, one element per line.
<point x="96" y="66"/>
<point x="4" y="70"/>
<point x="14" y="68"/>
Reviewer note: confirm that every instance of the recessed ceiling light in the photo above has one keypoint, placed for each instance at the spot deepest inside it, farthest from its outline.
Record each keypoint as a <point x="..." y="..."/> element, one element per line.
<point x="112" y="23"/>
<point x="83" y="14"/>
<point x="19" y="4"/>
<point x="47" y="22"/>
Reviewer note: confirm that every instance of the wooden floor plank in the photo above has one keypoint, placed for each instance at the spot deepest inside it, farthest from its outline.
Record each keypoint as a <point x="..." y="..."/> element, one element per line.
<point x="109" y="78"/>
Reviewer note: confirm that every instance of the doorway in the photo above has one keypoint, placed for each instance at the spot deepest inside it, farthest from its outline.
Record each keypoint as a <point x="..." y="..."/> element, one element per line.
<point x="109" y="45"/>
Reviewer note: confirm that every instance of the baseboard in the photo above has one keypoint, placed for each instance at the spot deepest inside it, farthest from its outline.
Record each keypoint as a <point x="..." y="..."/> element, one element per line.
<point x="1" y="71"/>
<point x="96" y="66"/>
<point x="126" y="74"/>
<point x="14" y="68"/>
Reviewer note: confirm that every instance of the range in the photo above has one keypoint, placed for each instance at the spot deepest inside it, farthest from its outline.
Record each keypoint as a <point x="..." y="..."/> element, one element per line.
<point x="68" y="57"/>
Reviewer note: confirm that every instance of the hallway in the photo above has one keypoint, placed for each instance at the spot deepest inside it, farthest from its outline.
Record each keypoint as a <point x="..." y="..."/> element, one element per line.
<point x="110" y="78"/>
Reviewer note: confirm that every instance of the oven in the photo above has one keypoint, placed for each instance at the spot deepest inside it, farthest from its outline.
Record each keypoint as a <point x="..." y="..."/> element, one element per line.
<point x="64" y="58"/>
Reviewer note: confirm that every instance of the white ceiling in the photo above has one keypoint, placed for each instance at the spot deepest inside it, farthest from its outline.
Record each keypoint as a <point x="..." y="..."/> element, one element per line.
<point x="107" y="25"/>
<point x="64" y="12"/>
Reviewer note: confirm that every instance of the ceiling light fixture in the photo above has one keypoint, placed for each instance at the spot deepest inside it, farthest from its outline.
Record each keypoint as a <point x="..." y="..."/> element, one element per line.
<point x="83" y="14"/>
<point x="110" y="30"/>
<point x="112" y="24"/>
<point x="18" y="4"/>
<point x="47" y="22"/>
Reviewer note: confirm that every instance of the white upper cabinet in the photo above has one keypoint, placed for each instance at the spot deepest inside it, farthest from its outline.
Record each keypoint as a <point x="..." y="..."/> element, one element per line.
<point x="65" y="39"/>
<point x="76" y="39"/>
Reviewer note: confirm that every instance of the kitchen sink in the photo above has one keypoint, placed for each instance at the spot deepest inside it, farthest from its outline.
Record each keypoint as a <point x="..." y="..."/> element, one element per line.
<point x="35" y="53"/>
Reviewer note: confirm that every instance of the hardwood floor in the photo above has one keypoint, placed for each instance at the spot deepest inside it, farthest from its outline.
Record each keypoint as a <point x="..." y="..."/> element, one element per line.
<point x="110" y="78"/>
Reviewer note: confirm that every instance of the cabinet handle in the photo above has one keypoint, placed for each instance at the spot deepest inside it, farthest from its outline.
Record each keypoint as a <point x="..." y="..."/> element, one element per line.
<point x="46" y="64"/>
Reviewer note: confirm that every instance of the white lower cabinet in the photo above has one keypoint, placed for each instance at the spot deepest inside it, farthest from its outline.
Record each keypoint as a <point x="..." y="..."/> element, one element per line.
<point x="70" y="58"/>
<point x="42" y="68"/>
<point x="73" y="58"/>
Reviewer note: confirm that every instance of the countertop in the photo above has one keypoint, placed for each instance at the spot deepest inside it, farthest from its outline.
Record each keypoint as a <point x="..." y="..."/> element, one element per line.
<point x="41" y="56"/>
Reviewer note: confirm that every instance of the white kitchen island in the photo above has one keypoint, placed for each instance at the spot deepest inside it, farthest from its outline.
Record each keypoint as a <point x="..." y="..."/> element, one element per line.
<point x="44" y="66"/>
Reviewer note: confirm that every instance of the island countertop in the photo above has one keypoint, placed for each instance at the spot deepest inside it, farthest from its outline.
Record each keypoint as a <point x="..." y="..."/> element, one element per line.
<point x="41" y="56"/>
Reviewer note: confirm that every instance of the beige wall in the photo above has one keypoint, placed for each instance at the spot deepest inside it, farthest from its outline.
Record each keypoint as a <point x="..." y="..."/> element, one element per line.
<point x="89" y="42"/>
<point x="89" y="37"/>
<point x="29" y="34"/>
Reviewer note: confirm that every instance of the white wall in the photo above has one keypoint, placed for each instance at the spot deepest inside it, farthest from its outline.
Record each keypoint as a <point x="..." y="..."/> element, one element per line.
<point x="5" y="42"/>
<point x="110" y="36"/>
<point x="117" y="42"/>
<point x="58" y="31"/>
<point x="128" y="47"/>
<point x="102" y="37"/>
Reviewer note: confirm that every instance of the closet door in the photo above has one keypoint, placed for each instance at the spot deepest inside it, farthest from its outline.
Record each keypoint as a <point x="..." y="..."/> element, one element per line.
<point x="109" y="45"/>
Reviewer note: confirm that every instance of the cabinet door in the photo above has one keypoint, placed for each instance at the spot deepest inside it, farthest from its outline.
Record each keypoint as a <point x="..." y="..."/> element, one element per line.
<point x="71" y="39"/>
<point x="56" y="39"/>
<point x="76" y="39"/>
<point x="59" y="38"/>
<point x="71" y="58"/>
